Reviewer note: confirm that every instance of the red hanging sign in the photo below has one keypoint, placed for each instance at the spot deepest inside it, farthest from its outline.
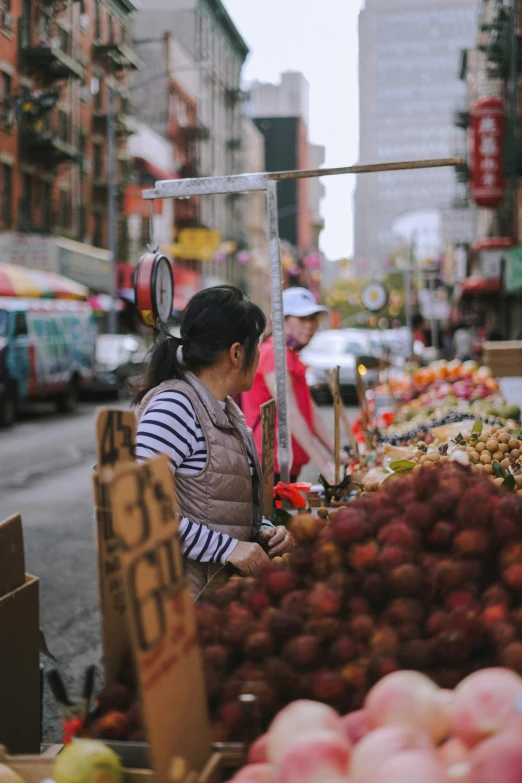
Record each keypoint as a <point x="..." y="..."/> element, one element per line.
<point x="488" y="125"/>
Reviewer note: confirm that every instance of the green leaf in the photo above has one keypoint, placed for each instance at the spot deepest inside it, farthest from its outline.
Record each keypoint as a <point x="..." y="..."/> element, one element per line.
<point x="401" y="465"/>
<point x="478" y="426"/>
<point x="497" y="469"/>
<point x="516" y="434"/>
<point x="509" y="482"/>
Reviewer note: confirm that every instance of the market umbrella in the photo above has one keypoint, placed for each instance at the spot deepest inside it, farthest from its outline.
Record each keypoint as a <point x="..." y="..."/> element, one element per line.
<point x="32" y="283"/>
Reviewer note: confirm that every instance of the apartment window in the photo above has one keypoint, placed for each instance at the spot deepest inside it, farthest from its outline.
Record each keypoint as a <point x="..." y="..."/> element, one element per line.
<point x="7" y="194"/>
<point x="5" y="115"/>
<point x="111" y="29"/>
<point x="64" y="40"/>
<point x="47" y="209"/>
<point x="98" y="229"/>
<point x="63" y="122"/>
<point x="6" y="19"/>
<point x="97" y="161"/>
<point x="64" y="209"/>
<point x="27" y="197"/>
<point x="97" y="21"/>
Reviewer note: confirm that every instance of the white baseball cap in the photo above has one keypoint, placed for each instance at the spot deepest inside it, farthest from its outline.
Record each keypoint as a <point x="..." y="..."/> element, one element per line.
<point x="300" y="302"/>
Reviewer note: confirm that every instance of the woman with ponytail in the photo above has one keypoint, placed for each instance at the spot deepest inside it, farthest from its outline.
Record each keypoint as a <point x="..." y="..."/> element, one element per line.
<point x="185" y="411"/>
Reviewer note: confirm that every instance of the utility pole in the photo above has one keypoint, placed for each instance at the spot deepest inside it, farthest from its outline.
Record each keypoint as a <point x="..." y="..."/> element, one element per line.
<point x="112" y="220"/>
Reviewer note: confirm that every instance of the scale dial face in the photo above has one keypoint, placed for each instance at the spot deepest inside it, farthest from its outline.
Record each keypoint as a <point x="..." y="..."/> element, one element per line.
<point x="154" y="288"/>
<point x="163" y="289"/>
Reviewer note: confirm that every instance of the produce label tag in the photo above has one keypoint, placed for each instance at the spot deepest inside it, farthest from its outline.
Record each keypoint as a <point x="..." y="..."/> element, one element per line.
<point x="116" y="435"/>
<point x="267" y="455"/>
<point x="161" y="616"/>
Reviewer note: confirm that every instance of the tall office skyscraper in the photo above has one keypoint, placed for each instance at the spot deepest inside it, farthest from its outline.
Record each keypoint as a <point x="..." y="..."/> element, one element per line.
<point x="409" y="90"/>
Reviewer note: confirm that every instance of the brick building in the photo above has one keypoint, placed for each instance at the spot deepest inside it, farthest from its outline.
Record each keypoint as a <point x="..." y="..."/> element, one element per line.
<point x="57" y="62"/>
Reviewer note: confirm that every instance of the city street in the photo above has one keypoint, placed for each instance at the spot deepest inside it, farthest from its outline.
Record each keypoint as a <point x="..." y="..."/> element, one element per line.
<point x="45" y="475"/>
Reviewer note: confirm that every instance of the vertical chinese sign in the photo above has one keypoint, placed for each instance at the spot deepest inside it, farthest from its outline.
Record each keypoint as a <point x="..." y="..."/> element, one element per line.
<point x="488" y="126"/>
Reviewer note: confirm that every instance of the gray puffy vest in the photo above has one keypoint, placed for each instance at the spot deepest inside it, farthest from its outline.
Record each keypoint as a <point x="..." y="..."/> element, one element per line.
<point x="223" y="496"/>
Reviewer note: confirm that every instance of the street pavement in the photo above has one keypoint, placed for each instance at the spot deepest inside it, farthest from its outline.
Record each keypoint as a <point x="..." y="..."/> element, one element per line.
<point x="45" y="475"/>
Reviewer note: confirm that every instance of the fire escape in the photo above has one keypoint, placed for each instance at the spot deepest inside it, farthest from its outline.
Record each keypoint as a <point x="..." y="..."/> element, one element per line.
<point x="48" y="139"/>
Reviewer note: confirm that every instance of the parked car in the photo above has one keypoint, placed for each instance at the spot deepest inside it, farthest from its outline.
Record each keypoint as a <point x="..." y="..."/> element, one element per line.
<point x="336" y="348"/>
<point x="119" y="358"/>
<point x="46" y="352"/>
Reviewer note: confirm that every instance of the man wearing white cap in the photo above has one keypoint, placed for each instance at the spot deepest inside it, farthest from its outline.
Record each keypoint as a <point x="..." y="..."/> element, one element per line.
<point x="310" y="439"/>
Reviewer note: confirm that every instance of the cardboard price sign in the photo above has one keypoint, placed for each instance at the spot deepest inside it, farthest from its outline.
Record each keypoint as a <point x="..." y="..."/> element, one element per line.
<point x="267" y="455"/>
<point x="116" y="435"/>
<point x="161" y="616"/>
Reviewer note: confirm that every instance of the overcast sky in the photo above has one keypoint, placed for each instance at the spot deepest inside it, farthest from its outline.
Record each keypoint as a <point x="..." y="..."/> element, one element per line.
<point x="322" y="44"/>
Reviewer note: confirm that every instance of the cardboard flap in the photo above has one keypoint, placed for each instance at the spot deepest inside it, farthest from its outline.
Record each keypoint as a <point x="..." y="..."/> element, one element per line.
<point x="267" y="455"/>
<point x="160" y="614"/>
<point x="12" y="557"/>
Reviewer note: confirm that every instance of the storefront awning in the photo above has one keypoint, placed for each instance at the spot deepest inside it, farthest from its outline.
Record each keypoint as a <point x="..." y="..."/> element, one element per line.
<point x="481" y="285"/>
<point x="513" y="270"/>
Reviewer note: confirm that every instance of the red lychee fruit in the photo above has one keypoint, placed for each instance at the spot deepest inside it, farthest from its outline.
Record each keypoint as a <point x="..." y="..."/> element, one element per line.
<point x="258" y="646"/>
<point x="282" y="676"/>
<point x="511" y="554"/>
<point x="323" y="601"/>
<point x="425" y="483"/>
<point x="461" y="598"/>
<point x="296" y="603"/>
<point x="404" y="610"/>
<point x="453" y="646"/>
<point x="407" y="631"/>
<point x="516" y="619"/>
<point x="502" y="634"/>
<point x="392" y="556"/>
<point x="280" y="582"/>
<point x="342" y="651"/>
<point x="357" y="606"/>
<point x="284" y="626"/>
<point x="374" y="586"/>
<point x="506" y="517"/>
<point x="328" y="687"/>
<point x="444" y="503"/>
<point x="258" y="601"/>
<point x="441" y="535"/>
<point x="324" y="628"/>
<point x="301" y="559"/>
<point x="363" y="556"/>
<point x="406" y="579"/>
<point x="303" y="652"/>
<point x="418" y="515"/>
<point x="228" y="593"/>
<point x="217" y="656"/>
<point x="350" y="527"/>
<point x="258" y="752"/>
<point x="327" y="558"/>
<point x="472" y="542"/>
<point x="511" y="656"/>
<point x="238" y="625"/>
<point x="384" y="640"/>
<point x="399" y="534"/>
<point x="362" y="627"/>
<point x="494" y="613"/>
<point x="355" y="675"/>
<point x="495" y="594"/>
<point x="232" y="714"/>
<point x="437" y="622"/>
<point x="450" y="574"/>
<point x="513" y="577"/>
<point x="473" y="509"/>
<point x="382" y="665"/>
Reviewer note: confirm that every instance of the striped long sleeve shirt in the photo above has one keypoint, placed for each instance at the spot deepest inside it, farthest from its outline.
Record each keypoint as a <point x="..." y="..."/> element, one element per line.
<point x="169" y="426"/>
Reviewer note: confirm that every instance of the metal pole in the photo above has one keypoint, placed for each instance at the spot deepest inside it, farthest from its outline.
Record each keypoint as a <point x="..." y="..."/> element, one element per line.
<point x="111" y="211"/>
<point x="284" y="447"/>
<point x="434" y="324"/>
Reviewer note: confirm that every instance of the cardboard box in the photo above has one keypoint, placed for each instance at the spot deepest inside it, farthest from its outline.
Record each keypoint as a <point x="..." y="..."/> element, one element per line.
<point x="504" y="358"/>
<point x="19" y="645"/>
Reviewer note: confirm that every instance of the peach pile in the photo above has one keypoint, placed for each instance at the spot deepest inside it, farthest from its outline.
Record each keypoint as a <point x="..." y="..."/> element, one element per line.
<point x="424" y="574"/>
<point x="408" y="730"/>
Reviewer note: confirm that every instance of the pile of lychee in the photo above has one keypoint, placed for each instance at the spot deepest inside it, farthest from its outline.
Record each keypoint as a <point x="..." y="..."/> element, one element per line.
<point x="424" y="574"/>
<point x="409" y="731"/>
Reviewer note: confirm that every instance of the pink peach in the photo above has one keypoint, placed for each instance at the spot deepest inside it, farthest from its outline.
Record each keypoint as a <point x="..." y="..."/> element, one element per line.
<point x="296" y="719"/>
<point x="411" y="766"/>
<point x="485" y="704"/>
<point x="315" y="757"/>
<point x="497" y="760"/>
<point x="381" y="744"/>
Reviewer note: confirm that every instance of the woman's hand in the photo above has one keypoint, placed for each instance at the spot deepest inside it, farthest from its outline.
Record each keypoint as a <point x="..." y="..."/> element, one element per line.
<point x="279" y="540"/>
<point x="247" y="557"/>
